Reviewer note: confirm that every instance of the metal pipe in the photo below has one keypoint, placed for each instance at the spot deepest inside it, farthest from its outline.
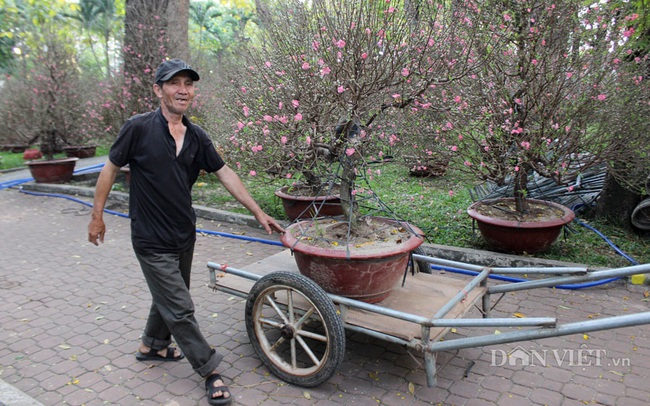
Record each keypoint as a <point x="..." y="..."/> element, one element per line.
<point x="566" y="329"/>
<point x="502" y="270"/>
<point x="592" y="276"/>
<point x="462" y="295"/>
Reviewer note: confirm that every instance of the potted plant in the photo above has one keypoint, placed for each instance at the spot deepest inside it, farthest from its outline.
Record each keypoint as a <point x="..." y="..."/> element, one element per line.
<point x="324" y="87"/>
<point x="56" y="102"/>
<point x="545" y="103"/>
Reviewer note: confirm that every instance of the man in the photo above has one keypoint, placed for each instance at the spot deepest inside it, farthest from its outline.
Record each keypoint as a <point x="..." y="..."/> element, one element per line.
<point x="165" y="153"/>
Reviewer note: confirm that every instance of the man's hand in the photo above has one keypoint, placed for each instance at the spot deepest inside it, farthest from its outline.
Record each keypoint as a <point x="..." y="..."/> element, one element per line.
<point x="269" y="224"/>
<point x="96" y="231"/>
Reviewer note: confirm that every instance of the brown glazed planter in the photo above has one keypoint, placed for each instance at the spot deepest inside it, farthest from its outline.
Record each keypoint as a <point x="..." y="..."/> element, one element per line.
<point x="52" y="171"/>
<point x="80" y="151"/>
<point x="520" y="236"/>
<point x="368" y="276"/>
<point x="303" y="207"/>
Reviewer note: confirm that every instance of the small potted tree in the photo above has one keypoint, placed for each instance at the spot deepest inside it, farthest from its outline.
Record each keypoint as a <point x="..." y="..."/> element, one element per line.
<point x="545" y="104"/>
<point x="323" y="91"/>
<point x="56" y="105"/>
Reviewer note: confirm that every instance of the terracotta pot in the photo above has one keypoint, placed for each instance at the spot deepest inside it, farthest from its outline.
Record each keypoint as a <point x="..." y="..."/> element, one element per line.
<point x="31" y="154"/>
<point x="520" y="236"/>
<point x="52" y="171"/>
<point x="368" y="275"/>
<point x="80" y="151"/>
<point x="303" y="207"/>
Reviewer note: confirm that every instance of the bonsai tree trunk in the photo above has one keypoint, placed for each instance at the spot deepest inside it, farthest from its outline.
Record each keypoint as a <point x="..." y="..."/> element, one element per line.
<point x="521" y="189"/>
<point x="348" y="201"/>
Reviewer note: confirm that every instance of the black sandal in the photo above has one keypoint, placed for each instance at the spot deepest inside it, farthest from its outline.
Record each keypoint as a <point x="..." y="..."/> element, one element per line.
<point x="153" y="355"/>
<point x="211" y="390"/>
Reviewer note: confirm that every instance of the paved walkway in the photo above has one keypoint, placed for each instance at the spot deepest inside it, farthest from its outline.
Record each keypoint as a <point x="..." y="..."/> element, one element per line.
<point x="71" y="315"/>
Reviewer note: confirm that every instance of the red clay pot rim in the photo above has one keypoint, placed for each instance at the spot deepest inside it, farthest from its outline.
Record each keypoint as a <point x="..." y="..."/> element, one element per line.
<point x="51" y="161"/>
<point x="409" y="245"/>
<point x="568" y="216"/>
<point x="282" y="195"/>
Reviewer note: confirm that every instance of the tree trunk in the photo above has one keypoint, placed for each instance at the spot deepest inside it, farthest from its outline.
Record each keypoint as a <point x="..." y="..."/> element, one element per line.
<point x="616" y="203"/>
<point x="178" y="16"/>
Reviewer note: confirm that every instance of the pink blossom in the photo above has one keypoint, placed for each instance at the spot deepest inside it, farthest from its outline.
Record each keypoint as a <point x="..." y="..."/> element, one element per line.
<point x="280" y="105"/>
<point x="364" y="55"/>
<point x="340" y="43"/>
<point x="283" y="119"/>
<point x="628" y="33"/>
<point x="449" y="125"/>
<point x="601" y="97"/>
<point x="486" y="148"/>
<point x="306" y="66"/>
<point x="568" y="75"/>
<point x="308" y="140"/>
<point x="256" y="148"/>
<point x="315" y="45"/>
<point x="340" y="89"/>
<point x="243" y="90"/>
<point x="252" y="173"/>
<point x="289" y="176"/>
<point x="267" y="64"/>
<point x="325" y="71"/>
<point x="297" y="117"/>
<point x="396" y="96"/>
<point x="390" y="10"/>
<point x="240" y="125"/>
<point x="268" y="118"/>
<point x="349" y="151"/>
<point x="246" y="111"/>
<point x="405" y="72"/>
<point x="507" y="17"/>
<point x="457" y="99"/>
<point x="454" y="148"/>
<point x="283" y="139"/>
<point x="467" y="163"/>
<point x="460" y="137"/>
<point x="534" y="61"/>
<point x="431" y="42"/>
<point x="516" y="169"/>
<point x="525" y="145"/>
<point x="295" y="104"/>
<point x="451" y="193"/>
<point x="570" y="188"/>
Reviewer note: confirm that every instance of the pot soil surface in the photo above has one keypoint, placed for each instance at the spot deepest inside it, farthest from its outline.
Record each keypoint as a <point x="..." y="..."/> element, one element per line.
<point x="313" y="191"/>
<point x="506" y="210"/>
<point x="366" y="235"/>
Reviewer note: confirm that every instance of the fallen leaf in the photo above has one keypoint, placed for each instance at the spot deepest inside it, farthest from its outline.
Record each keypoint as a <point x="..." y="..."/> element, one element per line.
<point x="306" y="395"/>
<point x="374" y="375"/>
<point x="453" y="330"/>
<point x="585" y="336"/>
<point x="519" y="315"/>
<point x="64" y="347"/>
<point x="646" y="293"/>
<point x="106" y="341"/>
<point x="215" y="315"/>
<point x="411" y="388"/>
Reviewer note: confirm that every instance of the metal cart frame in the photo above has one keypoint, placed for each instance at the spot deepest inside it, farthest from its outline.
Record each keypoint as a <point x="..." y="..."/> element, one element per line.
<point x="337" y="313"/>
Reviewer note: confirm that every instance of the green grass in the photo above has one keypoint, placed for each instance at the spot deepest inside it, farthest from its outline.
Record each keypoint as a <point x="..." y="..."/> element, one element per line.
<point x="10" y="160"/>
<point x="438" y="206"/>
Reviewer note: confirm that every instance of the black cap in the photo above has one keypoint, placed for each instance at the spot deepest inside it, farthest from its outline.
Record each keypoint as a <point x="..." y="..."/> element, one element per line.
<point x="168" y="69"/>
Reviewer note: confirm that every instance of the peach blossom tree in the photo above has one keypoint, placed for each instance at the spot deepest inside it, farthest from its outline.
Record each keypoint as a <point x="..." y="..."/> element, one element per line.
<point x="328" y="84"/>
<point x="562" y="96"/>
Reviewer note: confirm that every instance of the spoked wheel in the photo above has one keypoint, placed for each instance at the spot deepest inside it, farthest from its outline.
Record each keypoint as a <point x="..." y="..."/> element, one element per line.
<point x="294" y="328"/>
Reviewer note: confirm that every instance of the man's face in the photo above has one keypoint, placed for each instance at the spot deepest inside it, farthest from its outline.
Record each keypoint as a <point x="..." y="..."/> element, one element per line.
<point x="176" y="94"/>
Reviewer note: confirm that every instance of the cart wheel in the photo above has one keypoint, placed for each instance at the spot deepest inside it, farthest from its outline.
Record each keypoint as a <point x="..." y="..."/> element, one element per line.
<point x="294" y="328"/>
<point x="422" y="266"/>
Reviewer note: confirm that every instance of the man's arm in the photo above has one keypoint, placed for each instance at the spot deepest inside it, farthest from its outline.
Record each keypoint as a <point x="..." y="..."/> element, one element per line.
<point x="236" y="188"/>
<point x="97" y="228"/>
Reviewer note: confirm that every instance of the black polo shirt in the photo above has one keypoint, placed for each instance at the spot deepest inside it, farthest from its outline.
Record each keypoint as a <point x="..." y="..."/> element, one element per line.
<point x="160" y="200"/>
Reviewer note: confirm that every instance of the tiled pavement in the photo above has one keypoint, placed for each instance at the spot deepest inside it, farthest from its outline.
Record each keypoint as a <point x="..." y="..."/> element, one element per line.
<point x="71" y="314"/>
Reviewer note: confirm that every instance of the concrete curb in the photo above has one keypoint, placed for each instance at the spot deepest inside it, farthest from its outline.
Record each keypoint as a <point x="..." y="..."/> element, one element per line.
<point x="10" y="396"/>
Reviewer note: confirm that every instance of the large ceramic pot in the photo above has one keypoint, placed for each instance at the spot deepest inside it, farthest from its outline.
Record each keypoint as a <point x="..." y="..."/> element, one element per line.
<point x="367" y="273"/>
<point x="514" y="235"/>
<point x="52" y="171"/>
<point x="302" y="207"/>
